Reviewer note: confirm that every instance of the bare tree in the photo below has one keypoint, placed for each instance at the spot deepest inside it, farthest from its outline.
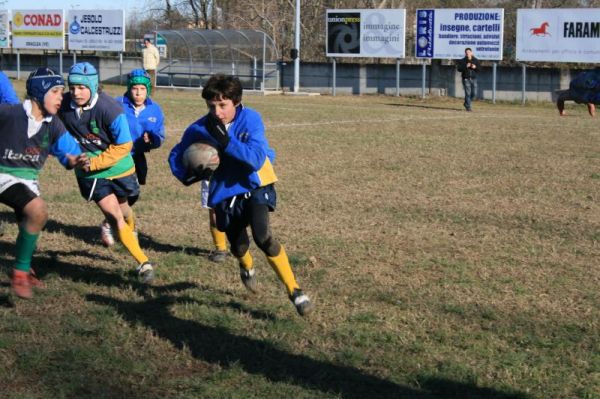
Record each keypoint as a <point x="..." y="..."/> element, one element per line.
<point x="203" y="13"/>
<point x="276" y="17"/>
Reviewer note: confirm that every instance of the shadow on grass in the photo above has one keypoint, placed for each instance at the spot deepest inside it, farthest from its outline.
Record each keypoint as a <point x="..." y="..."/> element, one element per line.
<point x="47" y="263"/>
<point x="232" y="304"/>
<point x="240" y="307"/>
<point x="5" y="301"/>
<point x="456" y="390"/>
<point x="97" y="276"/>
<point x="147" y="242"/>
<point x="219" y="346"/>
<point x="91" y="235"/>
<point x="427" y="107"/>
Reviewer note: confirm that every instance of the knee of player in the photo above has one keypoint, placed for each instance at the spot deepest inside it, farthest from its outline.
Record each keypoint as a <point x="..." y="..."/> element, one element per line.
<point x="37" y="211"/>
<point x="111" y="208"/>
<point x="268" y="245"/>
<point x="238" y="250"/>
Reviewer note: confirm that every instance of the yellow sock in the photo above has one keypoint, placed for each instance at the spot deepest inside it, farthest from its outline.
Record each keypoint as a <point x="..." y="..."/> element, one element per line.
<point x="281" y="265"/>
<point x="219" y="239"/>
<point x="128" y="239"/>
<point x="246" y="261"/>
<point x="130" y="220"/>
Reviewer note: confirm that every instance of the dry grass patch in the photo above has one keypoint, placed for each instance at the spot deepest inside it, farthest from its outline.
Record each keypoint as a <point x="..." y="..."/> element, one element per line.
<point x="449" y="254"/>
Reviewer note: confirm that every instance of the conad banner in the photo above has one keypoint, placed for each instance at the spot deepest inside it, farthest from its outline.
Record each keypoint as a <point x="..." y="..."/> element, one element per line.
<point x="102" y="30"/>
<point x="558" y="34"/>
<point x="4" y="32"/>
<point x="38" y="29"/>
<point x="366" y="33"/>
<point x="445" y="33"/>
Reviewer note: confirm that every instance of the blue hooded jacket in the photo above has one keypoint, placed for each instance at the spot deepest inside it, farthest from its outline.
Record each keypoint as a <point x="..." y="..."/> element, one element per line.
<point x="7" y="92"/>
<point x="245" y="165"/>
<point x="150" y="120"/>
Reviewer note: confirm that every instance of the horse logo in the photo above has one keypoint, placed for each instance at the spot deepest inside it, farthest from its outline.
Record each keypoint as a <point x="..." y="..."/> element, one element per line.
<point x="541" y="31"/>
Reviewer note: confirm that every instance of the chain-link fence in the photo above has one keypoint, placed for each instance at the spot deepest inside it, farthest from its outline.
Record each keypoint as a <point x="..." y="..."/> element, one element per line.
<point x="190" y="56"/>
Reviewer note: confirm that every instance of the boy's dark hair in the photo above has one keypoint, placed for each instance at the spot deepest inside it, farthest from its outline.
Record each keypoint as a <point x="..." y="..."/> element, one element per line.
<point x="468" y="49"/>
<point x="223" y="87"/>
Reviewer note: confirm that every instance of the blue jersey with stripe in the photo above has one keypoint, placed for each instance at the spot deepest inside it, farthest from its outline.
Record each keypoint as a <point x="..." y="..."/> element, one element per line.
<point x="246" y="163"/>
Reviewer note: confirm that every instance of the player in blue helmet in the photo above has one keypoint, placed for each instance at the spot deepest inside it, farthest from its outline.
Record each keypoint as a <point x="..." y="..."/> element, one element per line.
<point x="29" y="132"/>
<point x="85" y="74"/>
<point x="145" y="118"/>
<point x="108" y="177"/>
<point x="146" y="125"/>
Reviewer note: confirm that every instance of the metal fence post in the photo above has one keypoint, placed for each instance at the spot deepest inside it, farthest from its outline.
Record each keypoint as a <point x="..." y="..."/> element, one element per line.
<point x="524" y="82"/>
<point x="397" y="77"/>
<point x="494" y="67"/>
<point x="423" y="77"/>
<point x="334" y="75"/>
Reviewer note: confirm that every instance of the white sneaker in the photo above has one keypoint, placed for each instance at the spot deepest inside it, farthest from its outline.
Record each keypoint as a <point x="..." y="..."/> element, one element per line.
<point x="301" y="301"/>
<point x="106" y="234"/>
<point x="249" y="279"/>
<point x="145" y="272"/>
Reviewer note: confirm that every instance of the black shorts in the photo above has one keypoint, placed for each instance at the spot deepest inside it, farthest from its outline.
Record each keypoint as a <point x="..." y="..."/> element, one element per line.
<point x="141" y="167"/>
<point x="17" y="197"/>
<point x="96" y="189"/>
<point x="234" y="208"/>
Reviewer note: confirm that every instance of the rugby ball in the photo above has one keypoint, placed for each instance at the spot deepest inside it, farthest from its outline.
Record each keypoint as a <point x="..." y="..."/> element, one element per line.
<point x="201" y="155"/>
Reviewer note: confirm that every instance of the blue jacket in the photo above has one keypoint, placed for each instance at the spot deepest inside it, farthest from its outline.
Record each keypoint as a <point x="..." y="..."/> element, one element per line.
<point x="150" y="120"/>
<point x="7" y="92"/>
<point x="246" y="163"/>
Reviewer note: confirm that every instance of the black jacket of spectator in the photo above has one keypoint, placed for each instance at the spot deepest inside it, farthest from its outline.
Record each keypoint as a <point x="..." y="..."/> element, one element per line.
<point x="468" y="72"/>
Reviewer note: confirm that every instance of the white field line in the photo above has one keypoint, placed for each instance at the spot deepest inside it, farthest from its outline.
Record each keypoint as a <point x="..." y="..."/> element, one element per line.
<point x="460" y="115"/>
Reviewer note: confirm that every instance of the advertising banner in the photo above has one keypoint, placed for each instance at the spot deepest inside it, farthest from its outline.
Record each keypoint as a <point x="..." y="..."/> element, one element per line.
<point x="38" y="29"/>
<point x="558" y="35"/>
<point x="366" y="33"/>
<point x="4" y="32"/>
<point x="101" y="30"/>
<point x="445" y="33"/>
<point x="161" y="45"/>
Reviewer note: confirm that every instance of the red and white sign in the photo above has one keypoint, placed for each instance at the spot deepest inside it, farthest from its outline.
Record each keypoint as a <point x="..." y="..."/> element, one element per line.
<point x="558" y="35"/>
<point x="38" y="29"/>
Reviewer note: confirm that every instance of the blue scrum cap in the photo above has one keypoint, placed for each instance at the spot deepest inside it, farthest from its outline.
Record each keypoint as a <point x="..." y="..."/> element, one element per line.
<point x="84" y="74"/>
<point x="41" y="81"/>
<point x="139" y="77"/>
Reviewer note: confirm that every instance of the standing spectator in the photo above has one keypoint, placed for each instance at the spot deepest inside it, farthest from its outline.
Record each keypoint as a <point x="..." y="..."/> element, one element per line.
<point x="150" y="59"/>
<point x="468" y="67"/>
<point x="7" y="92"/>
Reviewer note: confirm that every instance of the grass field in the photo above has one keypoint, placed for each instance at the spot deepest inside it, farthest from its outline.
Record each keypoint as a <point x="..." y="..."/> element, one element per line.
<point x="449" y="255"/>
